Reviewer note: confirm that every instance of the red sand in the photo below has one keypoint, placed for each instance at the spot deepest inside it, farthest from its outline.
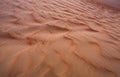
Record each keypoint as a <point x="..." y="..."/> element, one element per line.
<point x="59" y="38"/>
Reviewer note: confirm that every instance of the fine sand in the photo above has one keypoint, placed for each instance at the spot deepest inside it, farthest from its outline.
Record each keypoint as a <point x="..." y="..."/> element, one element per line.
<point x="59" y="38"/>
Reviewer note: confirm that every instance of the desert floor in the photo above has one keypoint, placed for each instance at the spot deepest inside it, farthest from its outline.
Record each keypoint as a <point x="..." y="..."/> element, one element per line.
<point x="59" y="38"/>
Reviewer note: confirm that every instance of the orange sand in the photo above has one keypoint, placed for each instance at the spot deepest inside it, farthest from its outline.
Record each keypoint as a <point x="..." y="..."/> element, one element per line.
<point x="59" y="38"/>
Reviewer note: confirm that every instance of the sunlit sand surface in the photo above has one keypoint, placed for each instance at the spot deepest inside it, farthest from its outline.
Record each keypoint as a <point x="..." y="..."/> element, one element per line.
<point x="59" y="38"/>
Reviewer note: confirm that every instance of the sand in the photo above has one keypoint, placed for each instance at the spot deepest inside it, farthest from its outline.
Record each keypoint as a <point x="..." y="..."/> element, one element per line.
<point x="59" y="38"/>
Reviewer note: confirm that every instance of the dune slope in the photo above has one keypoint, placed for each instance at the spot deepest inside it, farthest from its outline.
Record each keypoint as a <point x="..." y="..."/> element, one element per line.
<point x="59" y="38"/>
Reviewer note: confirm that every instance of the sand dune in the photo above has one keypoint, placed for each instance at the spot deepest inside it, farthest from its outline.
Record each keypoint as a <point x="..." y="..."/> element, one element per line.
<point x="59" y="38"/>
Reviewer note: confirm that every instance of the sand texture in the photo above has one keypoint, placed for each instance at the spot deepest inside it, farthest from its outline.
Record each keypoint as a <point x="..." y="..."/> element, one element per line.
<point x="59" y="38"/>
